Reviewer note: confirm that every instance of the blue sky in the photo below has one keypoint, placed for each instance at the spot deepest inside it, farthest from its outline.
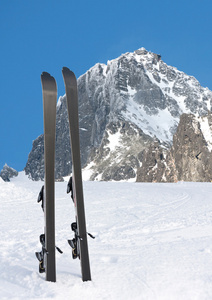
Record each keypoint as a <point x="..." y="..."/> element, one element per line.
<point x="44" y="35"/>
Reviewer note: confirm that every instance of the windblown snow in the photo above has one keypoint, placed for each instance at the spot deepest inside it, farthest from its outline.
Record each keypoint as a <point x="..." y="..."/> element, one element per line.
<point x="153" y="241"/>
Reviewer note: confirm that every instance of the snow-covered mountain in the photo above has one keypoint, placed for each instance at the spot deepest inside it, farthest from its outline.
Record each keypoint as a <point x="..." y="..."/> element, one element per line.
<point x="124" y="106"/>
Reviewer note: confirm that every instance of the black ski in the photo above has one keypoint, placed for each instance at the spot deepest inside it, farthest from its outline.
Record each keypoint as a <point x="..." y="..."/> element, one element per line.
<point x="49" y="89"/>
<point x="79" y="243"/>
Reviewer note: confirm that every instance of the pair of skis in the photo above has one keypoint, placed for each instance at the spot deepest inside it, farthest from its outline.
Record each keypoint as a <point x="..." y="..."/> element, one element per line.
<point x="47" y="195"/>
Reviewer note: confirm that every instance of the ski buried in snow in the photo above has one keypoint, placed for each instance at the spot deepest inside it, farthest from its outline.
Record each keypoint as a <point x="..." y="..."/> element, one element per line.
<point x="46" y="257"/>
<point x="79" y="243"/>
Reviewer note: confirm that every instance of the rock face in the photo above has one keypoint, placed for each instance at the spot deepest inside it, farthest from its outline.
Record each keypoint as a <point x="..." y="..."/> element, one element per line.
<point x="190" y="157"/>
<point x="153" y="165"/>
<point x="123" y="107"/>
<point x="35" y="164"/>
<point x="7" y="173"/>
<point x="120" y="152"/>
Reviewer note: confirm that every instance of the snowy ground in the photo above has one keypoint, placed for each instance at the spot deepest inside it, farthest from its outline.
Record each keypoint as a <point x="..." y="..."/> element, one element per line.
<point x="153" y="241"/>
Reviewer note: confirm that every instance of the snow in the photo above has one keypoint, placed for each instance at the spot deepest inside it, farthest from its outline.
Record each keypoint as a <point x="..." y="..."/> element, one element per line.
<point x="60" y="100"/>
<point x="205" y="128"/>
<point x="154" y="125"/>
<point x="1" y="181"/>
<point x="87" y="171"/>
<point x="114" y="140"/>
<point x="153" y="241"/>
<point x="167" y="86"/>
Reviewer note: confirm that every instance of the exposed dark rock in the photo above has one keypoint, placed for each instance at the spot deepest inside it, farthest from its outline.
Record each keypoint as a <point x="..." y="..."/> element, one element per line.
<point x="189" y="158"/>
<point x="153" y="166"/>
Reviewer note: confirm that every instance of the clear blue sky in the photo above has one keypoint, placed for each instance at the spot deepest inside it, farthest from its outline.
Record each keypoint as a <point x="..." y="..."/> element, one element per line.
<point x="45" y="35"/>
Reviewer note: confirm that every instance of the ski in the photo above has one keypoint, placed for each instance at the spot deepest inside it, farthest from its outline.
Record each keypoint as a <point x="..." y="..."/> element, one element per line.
<point x="48" y="263"/>
<point x="79" y="243"/>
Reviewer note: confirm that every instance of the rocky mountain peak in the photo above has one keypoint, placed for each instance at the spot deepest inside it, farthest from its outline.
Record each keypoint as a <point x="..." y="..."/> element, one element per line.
<point x="7" y="173"/>
<point x="132" y="100"/>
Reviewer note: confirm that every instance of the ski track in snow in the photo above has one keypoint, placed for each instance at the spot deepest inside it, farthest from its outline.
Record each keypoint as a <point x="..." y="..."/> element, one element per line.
<point x="153" y="241"/>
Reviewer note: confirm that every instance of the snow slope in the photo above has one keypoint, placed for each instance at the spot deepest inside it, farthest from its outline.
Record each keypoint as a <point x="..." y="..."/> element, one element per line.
<point x="153" y="241"/>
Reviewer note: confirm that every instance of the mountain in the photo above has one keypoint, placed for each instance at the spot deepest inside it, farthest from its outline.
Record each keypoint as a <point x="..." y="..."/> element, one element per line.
<point x="124" y="107"/>
<point x="7" y="173"/>
<point x="190" y="157"/>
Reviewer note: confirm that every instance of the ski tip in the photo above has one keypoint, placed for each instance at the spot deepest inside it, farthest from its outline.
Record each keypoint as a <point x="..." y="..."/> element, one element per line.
<point x="48" y="81"/>
<point x="67" y="72"/>
<point x="46" y="75"/>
